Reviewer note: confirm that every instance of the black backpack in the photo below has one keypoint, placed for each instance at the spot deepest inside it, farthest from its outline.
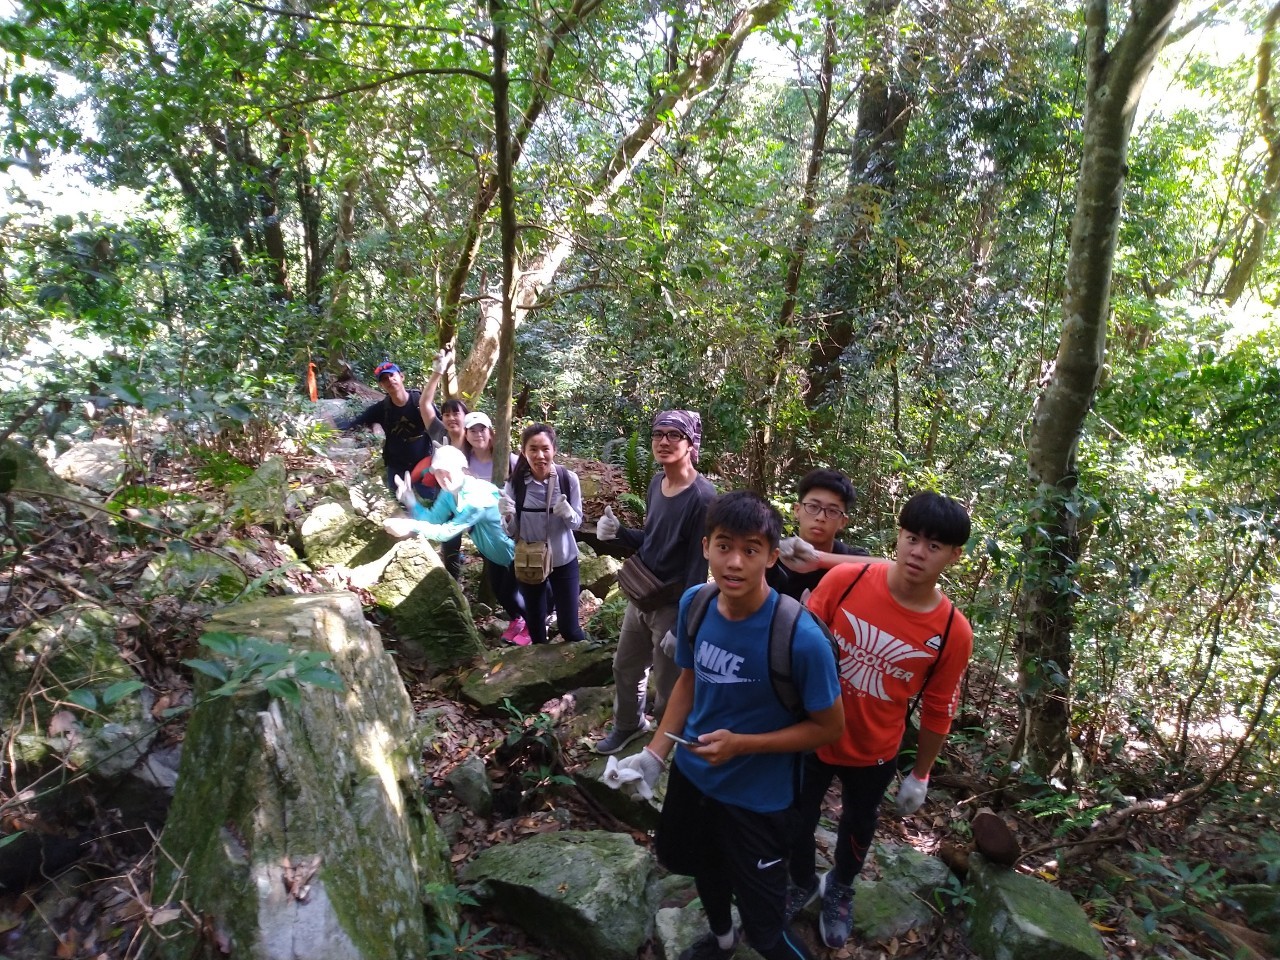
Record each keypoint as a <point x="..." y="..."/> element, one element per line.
<point x="782" y="634"/>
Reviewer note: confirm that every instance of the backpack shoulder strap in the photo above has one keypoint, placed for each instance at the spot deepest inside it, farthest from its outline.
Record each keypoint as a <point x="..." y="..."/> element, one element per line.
<point x="928" y="674"/>
<point x="782" y="634"/>
<point x="853" y="583"/>
<point x="697" y="611"/>
<point x="563" y="476"/>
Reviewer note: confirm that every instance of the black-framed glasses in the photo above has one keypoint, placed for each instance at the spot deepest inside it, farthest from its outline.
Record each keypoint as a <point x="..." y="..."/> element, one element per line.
<point x="671" y="436"/>
<point x="813" y="509"/>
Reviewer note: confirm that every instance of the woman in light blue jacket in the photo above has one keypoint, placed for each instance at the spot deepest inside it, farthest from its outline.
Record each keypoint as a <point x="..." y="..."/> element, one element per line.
<point x="464" y="503"/>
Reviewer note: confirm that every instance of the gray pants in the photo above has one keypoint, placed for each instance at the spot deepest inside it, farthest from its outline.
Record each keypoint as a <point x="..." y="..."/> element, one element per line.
<point x="639" y="653"/>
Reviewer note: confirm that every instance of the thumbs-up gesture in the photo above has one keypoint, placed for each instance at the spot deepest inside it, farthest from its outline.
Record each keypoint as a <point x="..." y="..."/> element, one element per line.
<point x="560" y="504"/>
<point x="607" y="526"/>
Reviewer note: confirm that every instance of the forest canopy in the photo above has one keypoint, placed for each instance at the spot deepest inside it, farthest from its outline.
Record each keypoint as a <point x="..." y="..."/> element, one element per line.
<point x="850" y="234"/>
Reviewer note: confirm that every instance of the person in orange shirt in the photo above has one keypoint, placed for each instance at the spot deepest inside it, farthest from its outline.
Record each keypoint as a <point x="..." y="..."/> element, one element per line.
<point x="898" y="636"/>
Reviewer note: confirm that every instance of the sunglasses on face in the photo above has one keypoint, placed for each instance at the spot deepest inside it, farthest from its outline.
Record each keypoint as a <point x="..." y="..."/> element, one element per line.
<point x="813" y="509"/>
<point x="671" y="436"/>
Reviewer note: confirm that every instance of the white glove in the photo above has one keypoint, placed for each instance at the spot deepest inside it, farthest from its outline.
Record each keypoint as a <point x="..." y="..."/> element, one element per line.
<point x="440" y="363"/>
<point x="668" y="644"/>
<point x="404" y="490"/>
<point x="564" y="510"/>
<point x="607" y="526"/>
<point x="506" y="507"/>
<point x="798" y="555"/>
<point x="400" y="527"/>
<point x="642" y="769"/>
<point x="911" y="793"/>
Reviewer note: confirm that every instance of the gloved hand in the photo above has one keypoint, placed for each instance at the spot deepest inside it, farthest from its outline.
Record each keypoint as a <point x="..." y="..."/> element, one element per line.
<point x="607" y="526"/>
<point x="798" y="555"/>
<point x="641" y="769"/>
<point x="563" y="509"/>
<point x="400" y="527"/>
<point x="911" y="793"/>
<point x="668" y="644"/>
<point x="404" y="490"/>
<point x="441" y="362"/>
<point x="506" y="507"/>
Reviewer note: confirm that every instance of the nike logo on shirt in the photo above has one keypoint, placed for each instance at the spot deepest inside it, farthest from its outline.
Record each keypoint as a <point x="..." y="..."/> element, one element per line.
<point x="761" y="865"/>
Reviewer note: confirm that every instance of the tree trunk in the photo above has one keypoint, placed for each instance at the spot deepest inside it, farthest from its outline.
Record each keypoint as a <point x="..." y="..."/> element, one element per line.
<point x="1113" y="89"/>
<point x="763" y="464"/>
<point x="668" y="107"/>
<point x="883" y="111"/>
<point x="507" y="219"/>
<point x="1263" y="214"/>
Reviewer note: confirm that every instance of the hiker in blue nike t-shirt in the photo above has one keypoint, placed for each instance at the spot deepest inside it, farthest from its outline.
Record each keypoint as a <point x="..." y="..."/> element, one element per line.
<point x="728" y="816"/>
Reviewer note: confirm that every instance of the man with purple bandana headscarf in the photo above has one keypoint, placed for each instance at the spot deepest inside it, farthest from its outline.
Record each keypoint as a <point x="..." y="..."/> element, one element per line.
<point x="670" y="546"/>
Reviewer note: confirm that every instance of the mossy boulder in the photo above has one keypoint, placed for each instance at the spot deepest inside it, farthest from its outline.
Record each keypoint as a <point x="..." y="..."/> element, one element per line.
<point x="261" y="497"/>
<point x="590" y="895"/>
<point x="23" y="469"/>
<point x="1017" y="917"/>
<point x="68" y="667"/>
<point x="597" y="573"/>
<point x="334" y="533"/>
<point x="298" y="829"/>
<point x="432" y="619"/>
<point x="675" y="929"/>
<point x="530" y="676"/>
<point x="900" y="900"/>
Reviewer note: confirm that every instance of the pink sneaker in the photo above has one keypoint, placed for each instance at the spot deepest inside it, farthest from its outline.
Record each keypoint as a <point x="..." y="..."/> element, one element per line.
<point x="517" y="633"/>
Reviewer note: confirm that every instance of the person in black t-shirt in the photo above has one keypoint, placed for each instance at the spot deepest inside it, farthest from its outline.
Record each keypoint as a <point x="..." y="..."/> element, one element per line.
<point x="397" y="413"/>
<point x="824" y="499"/>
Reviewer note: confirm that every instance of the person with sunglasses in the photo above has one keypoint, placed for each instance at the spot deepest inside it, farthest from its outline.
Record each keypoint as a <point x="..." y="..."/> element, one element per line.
<point x="824" y="499"/>
<point x="669" y="548"/>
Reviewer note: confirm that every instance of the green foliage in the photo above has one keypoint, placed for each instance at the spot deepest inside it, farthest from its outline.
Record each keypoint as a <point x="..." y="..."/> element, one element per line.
<point x="954" y="894"/>
<point x="1186" y="890"/>
<point x="251" y="663"/>
<point x="634" y="455"/>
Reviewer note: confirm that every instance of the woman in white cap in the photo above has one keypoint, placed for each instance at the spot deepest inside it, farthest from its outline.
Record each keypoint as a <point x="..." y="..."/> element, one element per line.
<point x="478" y="446"/>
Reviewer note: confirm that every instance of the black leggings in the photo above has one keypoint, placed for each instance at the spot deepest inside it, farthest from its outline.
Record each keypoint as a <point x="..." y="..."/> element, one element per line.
<point x="563" y="588"/>
<point x="861" y="790"/>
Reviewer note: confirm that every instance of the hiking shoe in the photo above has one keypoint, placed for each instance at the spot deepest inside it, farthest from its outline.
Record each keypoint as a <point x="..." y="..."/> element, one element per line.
<point x="707" y="947"/>
<point x="619" y="738"/>
<point x="835" y="923"/>
<point x="799" y="897"/>
<point x="514" y="629"/>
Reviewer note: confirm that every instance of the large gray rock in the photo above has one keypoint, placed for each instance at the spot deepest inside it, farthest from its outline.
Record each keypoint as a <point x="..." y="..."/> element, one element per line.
<point x="597" y="573"/>
<point x="23" y="469"/>
<point x="900" y="900"/>
<point x="1017" y="917"/>
<point x="469" y="782"/>
<point x="675" y="929"/>
<point x="95" y="463"/>
<point x="298" y="830"/>
<point x="431" y="616"/>
<point x="590" y="895"/>
<point x="334" y="533"/>
<point x="62" y="676"/>
<point x="530" y="676"/>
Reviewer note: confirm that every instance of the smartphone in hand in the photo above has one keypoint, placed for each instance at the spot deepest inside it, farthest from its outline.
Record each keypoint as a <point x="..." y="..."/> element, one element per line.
<point x="681" y="740"/>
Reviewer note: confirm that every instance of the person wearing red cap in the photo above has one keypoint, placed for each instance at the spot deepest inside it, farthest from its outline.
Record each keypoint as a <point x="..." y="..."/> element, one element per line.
<point x="398" y="415"/>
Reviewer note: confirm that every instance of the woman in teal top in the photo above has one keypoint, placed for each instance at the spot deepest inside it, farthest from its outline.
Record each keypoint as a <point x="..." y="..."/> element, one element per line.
<point x="463" y="504"/>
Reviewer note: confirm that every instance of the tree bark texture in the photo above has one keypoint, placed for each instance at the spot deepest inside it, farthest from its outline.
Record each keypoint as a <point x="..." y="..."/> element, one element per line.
<point x="1115" y="80"/>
